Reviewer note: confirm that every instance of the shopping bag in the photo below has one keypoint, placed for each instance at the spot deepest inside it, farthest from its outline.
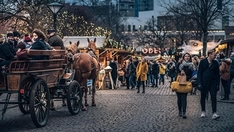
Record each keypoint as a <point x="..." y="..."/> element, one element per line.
<point x="182" y="78"/>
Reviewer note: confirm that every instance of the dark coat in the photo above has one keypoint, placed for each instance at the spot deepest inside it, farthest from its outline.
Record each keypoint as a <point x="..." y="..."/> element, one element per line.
<point x="155" y="69"/>
<point x="131" y="69"/>
<point x="56" y="41"/>
<point x="114" y="71"/>
<point x="39" y="45"/>
<point x="232" y="65"/>
<point x="171" y="69"/>
<point x="208" y="75"/>
<point x="7" y="52"/>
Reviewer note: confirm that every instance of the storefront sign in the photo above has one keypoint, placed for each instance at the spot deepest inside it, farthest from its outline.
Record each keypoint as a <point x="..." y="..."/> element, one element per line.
<point x="151" y="51"/>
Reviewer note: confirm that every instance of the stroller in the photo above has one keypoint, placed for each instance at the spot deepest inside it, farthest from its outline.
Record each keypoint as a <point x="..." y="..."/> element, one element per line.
<point x="194" y="84"/>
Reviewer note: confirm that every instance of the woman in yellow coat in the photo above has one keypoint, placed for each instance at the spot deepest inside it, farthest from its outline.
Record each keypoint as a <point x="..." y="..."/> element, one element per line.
<point x="141" y="74"/>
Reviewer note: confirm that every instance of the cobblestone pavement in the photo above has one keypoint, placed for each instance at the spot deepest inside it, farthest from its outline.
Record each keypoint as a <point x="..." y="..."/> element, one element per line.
<point x="124" y="110"/>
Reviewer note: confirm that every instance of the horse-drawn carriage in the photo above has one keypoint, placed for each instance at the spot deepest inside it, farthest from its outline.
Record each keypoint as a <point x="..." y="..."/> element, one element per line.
<point x="35" y="80"/>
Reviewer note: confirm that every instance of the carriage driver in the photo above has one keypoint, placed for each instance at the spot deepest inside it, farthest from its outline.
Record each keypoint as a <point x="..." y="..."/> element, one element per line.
<point x="54" y="39"/>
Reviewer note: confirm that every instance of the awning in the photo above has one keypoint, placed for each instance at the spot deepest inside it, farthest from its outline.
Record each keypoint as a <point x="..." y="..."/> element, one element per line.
<point x="229" y="40"/>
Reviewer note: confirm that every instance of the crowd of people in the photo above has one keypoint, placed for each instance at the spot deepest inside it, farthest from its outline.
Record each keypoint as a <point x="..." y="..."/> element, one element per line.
<point x="209" y="72"/>
<point x="14" y="46"/>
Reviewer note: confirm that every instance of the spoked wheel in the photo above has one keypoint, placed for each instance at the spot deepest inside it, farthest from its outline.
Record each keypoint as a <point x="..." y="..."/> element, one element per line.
<point x="24" y="95"/>
<point x="39" y="103"/>
<point x="74" y="96"/>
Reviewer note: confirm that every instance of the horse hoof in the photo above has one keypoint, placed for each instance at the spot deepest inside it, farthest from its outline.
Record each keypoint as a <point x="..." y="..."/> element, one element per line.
<point x="93" y="104"/>
<point x="84" y="109"/>
<point x="86" y="104"/>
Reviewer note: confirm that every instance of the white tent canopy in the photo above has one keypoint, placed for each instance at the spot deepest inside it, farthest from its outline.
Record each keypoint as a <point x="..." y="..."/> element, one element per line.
<point x="194" y="46"/>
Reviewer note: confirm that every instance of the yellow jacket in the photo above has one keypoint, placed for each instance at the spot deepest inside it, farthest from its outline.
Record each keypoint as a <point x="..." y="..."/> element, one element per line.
<point x="162" y="69"/>
<point x="141" y="71"/>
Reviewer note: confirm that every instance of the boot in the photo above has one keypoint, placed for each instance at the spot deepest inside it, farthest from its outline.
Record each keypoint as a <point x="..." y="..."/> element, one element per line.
<point x="143" y="90"/>
<point x="138" y="89"/>
<point x="184" y="115"/>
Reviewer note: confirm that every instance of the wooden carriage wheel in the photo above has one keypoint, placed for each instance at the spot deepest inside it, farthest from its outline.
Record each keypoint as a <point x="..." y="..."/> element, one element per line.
<point x="74" y="97"/>
<point x="24" y="95"/>
<point x="39" y="103"/>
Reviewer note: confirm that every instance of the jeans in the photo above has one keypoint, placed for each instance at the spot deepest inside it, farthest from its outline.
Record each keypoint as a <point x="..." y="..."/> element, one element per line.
<point x="225" y="87"/>
<point x="154" y="80"/>
<point x="148" y="81"/>
<point x="132" y="81"/>
<point x="213" y="94"/>
<point x="161" y="79"/>
<point x="182" y="102"/>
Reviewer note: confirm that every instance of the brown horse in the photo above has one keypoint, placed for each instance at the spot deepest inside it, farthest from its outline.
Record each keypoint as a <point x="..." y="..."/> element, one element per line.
<point x="87" y="67"/>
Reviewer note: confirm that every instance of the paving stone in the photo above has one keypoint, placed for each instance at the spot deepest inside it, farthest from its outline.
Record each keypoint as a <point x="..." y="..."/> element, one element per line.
<point x="124" y="110"/>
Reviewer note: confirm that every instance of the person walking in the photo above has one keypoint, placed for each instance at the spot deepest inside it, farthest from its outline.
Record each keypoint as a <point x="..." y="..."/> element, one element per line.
<point x="39" y="44"/>
<point x="162" y="72"/>
<point x="231" y="71"/>
<point x="114" y="71"/>
<point x="155" y="72"/>
<point x="171" y="70"/>
<point x="132" y="73"/>
<point x="126" y="73"/>
<point x="187" y="66"/>
<point x="141" y="74"/>
<point x="208" y="77"/>
<point x="225" y="68"/>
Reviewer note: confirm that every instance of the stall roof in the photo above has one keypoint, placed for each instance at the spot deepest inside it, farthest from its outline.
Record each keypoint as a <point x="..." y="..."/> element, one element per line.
<point x="228" y="40"/>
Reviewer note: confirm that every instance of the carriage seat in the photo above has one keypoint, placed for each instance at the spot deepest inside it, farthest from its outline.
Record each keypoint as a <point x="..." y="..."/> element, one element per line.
<point x="25" y="66"/>
<point x="50" y="53"/>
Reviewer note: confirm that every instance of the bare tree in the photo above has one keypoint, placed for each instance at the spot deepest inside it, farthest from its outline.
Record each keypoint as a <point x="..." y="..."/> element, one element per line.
<point x="203" y="12"/>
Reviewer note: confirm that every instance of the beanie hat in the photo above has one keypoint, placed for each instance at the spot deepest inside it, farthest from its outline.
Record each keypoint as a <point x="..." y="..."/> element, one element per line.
<point x="21" y="45"/>
<point x="16" y="34"/>
<point x="10" y="35"/>
<point x="27" y="38"/>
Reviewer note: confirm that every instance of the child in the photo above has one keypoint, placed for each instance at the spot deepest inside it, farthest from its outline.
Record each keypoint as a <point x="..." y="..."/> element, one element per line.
<point x="21" y="53"/>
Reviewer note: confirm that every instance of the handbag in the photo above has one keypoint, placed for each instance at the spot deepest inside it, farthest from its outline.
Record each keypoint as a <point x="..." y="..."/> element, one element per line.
<point x="182" y="78"/>
<point x="175" y="86"/>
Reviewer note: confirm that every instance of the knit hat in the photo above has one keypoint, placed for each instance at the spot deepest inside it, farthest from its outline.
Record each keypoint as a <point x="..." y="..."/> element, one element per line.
<point x="16" y="34"/>
<point x="21" y="45"/>
<point x="10" y="35"/>
<point x="27" y="38"/>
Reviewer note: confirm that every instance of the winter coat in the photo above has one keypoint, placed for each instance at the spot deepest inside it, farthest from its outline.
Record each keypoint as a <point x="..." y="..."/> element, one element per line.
<point x="141" y="71"/>
<point x="6" y="51"/>
<point x="232" y="65"/>
<point x="171" y="69"/>
<point x="39" y="45"/>
<point x="187" y="67"/>
<point x="225" y="68"/>
<point x="162" y="69"/>
<point x="114" y="71"/>
<point x="56" y="41"/>
<point x="155" y="69"/>
<point x="208" y="74"/>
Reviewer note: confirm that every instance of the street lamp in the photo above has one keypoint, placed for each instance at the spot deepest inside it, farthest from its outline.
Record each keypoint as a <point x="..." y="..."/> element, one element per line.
<point x="55" y="7"/>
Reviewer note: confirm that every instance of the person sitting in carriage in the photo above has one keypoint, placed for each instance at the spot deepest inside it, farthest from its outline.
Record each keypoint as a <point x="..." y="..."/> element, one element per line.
<point x="6" y="53"/>
<point x="39" y="38"/>
<point x="21" y="53"/>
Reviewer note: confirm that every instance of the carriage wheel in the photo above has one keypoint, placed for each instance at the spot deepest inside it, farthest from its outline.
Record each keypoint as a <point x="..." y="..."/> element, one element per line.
<point x="74" y="96"/>
<point x="39" y="103"/>
<point x="24" y="94"/>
